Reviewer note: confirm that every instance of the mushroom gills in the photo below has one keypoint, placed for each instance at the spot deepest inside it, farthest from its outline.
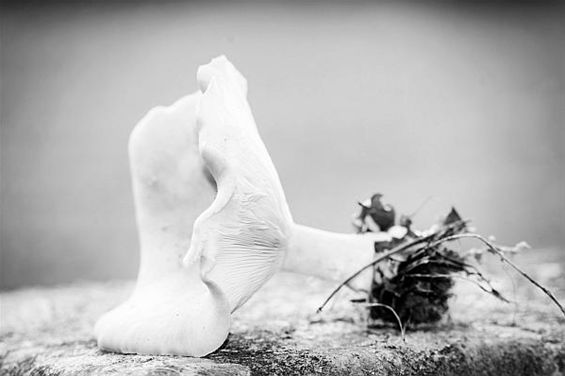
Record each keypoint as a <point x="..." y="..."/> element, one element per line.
<point x="241" y="239"/>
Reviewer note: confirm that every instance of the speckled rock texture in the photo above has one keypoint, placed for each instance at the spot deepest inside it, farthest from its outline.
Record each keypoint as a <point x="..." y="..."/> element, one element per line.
<point x="48" y="331"/>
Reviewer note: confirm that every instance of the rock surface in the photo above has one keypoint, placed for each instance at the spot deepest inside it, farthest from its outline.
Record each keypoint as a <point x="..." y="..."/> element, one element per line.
<point x="48" y="331"/>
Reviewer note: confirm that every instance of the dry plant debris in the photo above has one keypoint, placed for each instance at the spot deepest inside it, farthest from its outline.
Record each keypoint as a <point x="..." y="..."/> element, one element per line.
<point x="413" y="274"/>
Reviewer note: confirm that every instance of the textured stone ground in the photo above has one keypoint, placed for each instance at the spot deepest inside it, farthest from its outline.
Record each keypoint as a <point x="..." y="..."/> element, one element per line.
<point x="48" y="331"/>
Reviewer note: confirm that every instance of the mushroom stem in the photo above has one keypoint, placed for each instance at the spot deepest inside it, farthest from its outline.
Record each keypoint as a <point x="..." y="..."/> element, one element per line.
<point x="329" y="255"/>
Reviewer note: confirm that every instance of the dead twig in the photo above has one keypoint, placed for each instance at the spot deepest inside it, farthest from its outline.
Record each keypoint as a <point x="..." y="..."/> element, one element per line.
<point x="494" y="249"/>
<point x="402" y="328"/>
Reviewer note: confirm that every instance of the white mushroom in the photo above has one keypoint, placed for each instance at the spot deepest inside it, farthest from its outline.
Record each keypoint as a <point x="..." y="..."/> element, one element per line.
<point x="203" y="147"/>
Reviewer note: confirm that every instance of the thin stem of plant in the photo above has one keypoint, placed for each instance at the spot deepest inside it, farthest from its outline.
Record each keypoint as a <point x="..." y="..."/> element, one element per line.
<point x="499" y="253"/>
<point x="428" y="199"/>
<point x="402" y="328"/>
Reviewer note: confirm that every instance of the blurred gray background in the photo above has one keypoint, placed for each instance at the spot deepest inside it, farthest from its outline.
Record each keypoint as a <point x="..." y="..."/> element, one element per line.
<point x="457" y="100"/>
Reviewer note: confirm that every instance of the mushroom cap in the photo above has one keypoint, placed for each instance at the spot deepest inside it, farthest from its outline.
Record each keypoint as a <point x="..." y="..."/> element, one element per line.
<point x="242" y="237"/>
